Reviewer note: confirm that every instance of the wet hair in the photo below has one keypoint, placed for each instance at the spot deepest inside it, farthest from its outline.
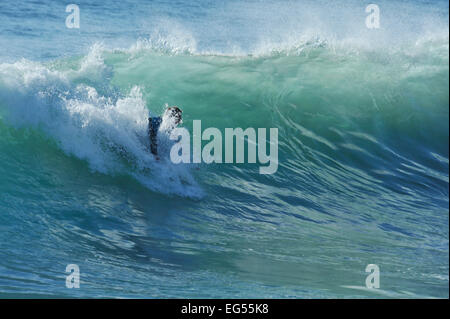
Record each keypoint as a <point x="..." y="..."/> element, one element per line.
<point x="175" y="111"/>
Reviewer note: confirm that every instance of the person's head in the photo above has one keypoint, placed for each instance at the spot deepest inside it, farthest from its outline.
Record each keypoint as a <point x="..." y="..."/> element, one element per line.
<point x="175" y="113"/>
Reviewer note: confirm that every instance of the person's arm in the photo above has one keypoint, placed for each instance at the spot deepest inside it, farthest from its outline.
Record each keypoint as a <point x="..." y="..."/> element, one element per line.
<point x="153" y="131"/>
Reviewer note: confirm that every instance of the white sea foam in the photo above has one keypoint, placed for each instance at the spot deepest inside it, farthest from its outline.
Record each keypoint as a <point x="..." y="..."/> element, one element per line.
<point x="110" y="133"/>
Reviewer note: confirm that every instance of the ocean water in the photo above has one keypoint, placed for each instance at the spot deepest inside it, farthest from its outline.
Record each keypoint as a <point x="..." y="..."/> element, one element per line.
<point x="363" y="166"/>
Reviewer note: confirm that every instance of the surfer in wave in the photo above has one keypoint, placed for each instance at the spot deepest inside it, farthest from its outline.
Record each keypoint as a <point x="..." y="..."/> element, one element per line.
<point x="172" y="116"/>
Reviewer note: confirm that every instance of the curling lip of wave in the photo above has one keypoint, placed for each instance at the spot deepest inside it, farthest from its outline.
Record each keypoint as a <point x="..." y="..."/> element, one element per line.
<point x="290" y="46"/>
<point x="100" y="122"/>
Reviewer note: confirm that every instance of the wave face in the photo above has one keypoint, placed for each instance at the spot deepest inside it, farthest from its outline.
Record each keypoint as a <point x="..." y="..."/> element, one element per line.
<point x="362" y="117"/>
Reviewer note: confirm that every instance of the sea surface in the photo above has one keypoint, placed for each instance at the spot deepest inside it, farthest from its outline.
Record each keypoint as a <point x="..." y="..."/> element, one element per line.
<point x="363" y="164"/>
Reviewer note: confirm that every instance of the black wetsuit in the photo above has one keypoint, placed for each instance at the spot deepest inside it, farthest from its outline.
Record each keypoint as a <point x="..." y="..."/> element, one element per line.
<point x="153" y="126"/>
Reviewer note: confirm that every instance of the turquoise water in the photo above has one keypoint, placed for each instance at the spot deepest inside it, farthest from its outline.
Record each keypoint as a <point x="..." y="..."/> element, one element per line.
<point x="362" y="118"/>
